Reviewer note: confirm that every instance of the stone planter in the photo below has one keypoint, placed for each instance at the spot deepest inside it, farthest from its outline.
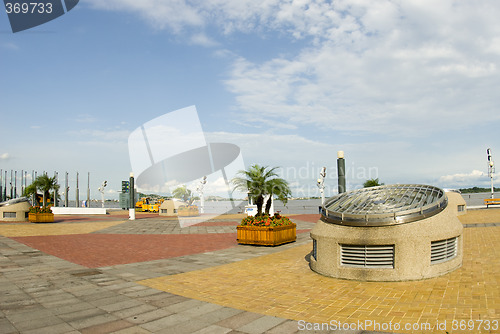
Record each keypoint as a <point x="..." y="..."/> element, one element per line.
<point x="188" y="212"/>
<point x="41" y="217"/>
<point x="266" y="236"/>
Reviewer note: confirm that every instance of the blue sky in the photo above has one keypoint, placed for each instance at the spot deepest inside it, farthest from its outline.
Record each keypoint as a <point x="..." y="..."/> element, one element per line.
<point x="409" y="90"/>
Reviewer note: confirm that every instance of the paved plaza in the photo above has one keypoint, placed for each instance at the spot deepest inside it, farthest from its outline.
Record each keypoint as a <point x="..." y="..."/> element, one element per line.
<point x="106" y="274"/>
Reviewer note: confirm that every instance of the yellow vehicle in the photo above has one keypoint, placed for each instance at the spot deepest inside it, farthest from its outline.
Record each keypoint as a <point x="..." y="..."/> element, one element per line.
<point x="147" y="204"/>
<point x="155" y="207"/>
<point x="139" y="204"/>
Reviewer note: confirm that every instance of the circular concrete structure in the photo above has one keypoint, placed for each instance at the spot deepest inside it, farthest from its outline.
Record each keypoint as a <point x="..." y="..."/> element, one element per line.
<point x="389" y="233"/>
<point x="15" y="210"/>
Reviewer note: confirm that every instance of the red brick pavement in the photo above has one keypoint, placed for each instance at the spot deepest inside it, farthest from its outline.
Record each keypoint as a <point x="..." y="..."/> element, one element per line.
<point x="100" y="250"/>
<point x="217" y="224"/>
<point x="88" y="218"/>
<point x="138" y="215"/>
<point x="311" y="218"/>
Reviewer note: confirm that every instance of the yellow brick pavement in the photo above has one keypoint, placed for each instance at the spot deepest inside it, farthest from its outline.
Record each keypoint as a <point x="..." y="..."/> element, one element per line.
<point x="282" y="285"/>
<point x="491" y="215"/>
<point x="28" y="230"/>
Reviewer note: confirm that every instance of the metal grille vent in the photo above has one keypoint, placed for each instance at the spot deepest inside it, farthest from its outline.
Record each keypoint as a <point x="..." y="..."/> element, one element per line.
<point x="443" y="250"/>
<point x="9" y="215"/>
<point x="367" y="256"/>
<point x="315" y="250"/>
<point x="384" y="205"/>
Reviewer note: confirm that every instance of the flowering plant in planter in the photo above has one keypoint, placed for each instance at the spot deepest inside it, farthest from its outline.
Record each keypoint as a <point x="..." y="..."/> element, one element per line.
<point x="266" y="221"/>
<point x="187" y="208"/>
<point x="265" y="230"/>
<point x="40" y="215"/>
<point x="262" y="184"/>
<point x="188" y="211"/>
<point x="38" y="209"/>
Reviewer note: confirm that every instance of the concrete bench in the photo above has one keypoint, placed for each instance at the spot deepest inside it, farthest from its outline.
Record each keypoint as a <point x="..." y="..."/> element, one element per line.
<point x="492" y="201"/>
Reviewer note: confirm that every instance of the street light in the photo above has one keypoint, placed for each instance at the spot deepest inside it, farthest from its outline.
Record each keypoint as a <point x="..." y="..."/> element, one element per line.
<point x="491" y="170"/>
<point x="199" y="189"/>
<point x="341" y="171"/>
<point x="321" y="185"/>
<point x="101" y="190"/>
<point x="131" y="210"/>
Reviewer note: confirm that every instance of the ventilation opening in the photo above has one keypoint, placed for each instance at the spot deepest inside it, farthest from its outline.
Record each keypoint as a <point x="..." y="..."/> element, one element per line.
<point x="443" y="250"/>
<point x="9" y="215"/>
<point x="367" y="256"/>
<point x="315" y="250"/>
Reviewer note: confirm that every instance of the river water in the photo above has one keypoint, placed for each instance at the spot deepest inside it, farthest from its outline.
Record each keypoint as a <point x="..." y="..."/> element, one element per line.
<point x="305" y="206"/>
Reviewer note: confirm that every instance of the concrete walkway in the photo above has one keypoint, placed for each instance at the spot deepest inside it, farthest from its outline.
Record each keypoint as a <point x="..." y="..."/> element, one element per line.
<point x="109" y="275"/>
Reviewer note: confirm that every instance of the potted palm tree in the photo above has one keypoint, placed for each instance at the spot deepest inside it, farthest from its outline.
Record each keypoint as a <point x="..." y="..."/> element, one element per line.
<point x="186" y="195"/>
<point x="37" y="213"/>
<point x="263" y="184"/>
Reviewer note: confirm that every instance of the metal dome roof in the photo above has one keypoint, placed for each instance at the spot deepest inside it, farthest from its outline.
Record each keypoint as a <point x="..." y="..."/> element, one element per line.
<point x="384" y="205"/>
<point x="14" y="201"/>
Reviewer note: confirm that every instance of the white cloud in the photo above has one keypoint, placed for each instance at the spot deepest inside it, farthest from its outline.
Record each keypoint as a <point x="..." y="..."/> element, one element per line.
<point x="85" y="118"/>
<point x="386" y="84"/>
<point x="203" y="40"/>
<point x="92" y="135"/>
<point x="301" y="158"/>
<point x="4" y="156"/>
<point x="402" y="68"/>
<point x="10" y="46"/>
<point x="174" y="14"/>
<point x="416" y="70"/>
<point x="297" y="18"/>
<point x="474" y="177"/>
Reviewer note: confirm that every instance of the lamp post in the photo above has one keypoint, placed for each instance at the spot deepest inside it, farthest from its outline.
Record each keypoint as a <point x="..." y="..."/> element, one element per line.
<point x="11" y="186"/>
<point x="1" y="185"/>
<point x="341" y="171"/>
<point x="101" y="190"/>
<point x="199" y="189"/>
<point x="491" y="171"/>
<point x="56" y="201"/>
<point x="33" y="196"/>
<point x="321" y="185"/>
<point x="5" y="187"/>
<point x="131" y="210"/>
<point x="66" y="190"/>
<point x="44" y="198"/>
<point x="77" y="192"/>
<point x="88" y="189"/>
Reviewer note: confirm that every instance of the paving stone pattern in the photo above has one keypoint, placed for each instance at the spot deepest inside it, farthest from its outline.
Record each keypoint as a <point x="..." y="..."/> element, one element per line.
<point x="44" y="293"/>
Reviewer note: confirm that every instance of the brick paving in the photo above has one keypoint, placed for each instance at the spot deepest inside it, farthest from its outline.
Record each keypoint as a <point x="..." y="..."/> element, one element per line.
<point x="88" y="249"/>
<point x="28" y="229"/>
<point x="41" y="292"/>
<point x="311" y="218"/>
<point x="471" y="292"/>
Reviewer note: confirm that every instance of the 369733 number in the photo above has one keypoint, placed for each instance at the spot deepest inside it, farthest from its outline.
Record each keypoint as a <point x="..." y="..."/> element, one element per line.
<point x="28" y="7"/>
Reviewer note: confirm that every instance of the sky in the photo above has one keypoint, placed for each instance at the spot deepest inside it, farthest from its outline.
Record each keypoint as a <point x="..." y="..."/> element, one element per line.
<point x="409" y="90"/>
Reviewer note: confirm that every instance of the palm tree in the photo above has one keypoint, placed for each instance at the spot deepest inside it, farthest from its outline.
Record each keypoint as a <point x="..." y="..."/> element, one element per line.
<point x="259" y="182"/>
<point x="184" y="194"/>
<point x="30" y="191"/>
<point x="372" y="183"/>
<point x="45" y="184"/>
